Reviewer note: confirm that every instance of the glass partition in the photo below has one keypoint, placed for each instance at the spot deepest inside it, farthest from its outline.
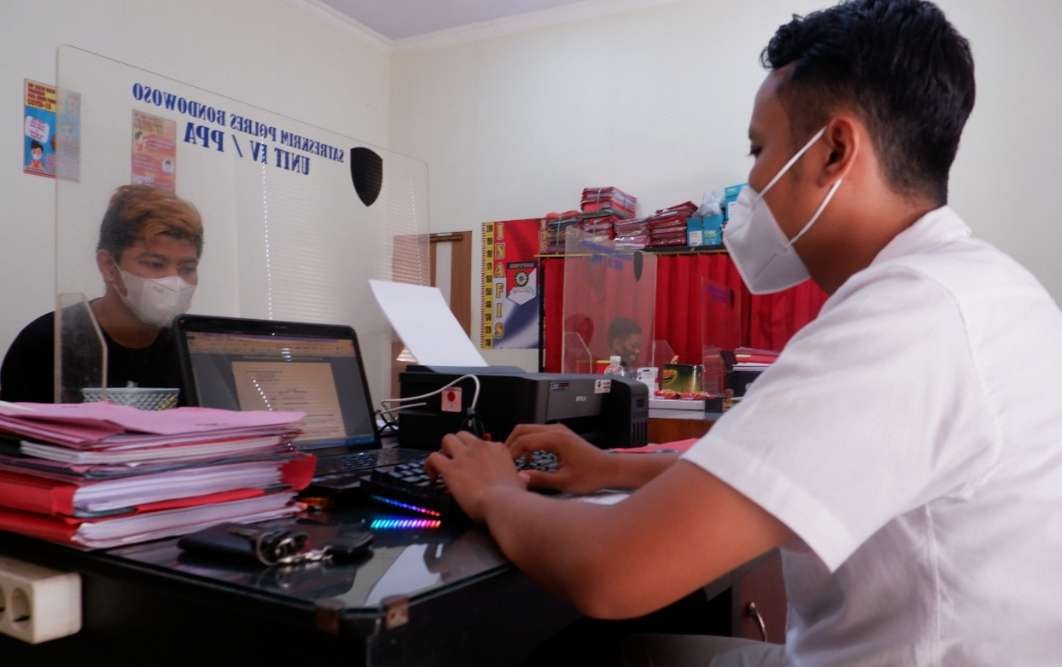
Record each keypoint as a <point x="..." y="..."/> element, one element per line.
<point x="609" y="304"/>
<point x="295" y="220"/>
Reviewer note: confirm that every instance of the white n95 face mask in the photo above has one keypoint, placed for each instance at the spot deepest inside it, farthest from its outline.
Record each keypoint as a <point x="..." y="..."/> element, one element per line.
<point x="765" y="258"/>
<point x="156" y="301"/>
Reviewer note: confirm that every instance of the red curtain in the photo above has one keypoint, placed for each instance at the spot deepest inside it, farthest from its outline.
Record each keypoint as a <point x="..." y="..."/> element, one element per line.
<point x="775" y="318"/>
<point x="551" y="274"/>
<point x="700" y="300"/>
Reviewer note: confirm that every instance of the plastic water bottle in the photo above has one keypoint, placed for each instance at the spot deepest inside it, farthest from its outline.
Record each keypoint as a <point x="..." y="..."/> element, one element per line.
<point x="614" y="366"/>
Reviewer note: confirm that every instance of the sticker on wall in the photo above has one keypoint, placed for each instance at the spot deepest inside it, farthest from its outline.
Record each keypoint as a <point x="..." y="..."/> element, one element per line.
<point x="38" y="129"/>
<point x="154" y="151"/>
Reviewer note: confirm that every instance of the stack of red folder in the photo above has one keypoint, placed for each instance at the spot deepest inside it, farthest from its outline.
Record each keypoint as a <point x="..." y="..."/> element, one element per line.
<point x="100" y="475"/>
<point x="609" y="199"/>
<point x="667" y="229"/>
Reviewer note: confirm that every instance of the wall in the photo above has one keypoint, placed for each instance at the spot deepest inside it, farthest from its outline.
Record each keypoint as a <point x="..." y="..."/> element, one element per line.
<point x="656" y="101"/>
<point x="284" y="55"/>
<point x="653" y="100"/>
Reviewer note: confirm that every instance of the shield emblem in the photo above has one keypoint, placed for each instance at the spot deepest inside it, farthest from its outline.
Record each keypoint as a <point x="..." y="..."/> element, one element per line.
<point x="366" y="171"/>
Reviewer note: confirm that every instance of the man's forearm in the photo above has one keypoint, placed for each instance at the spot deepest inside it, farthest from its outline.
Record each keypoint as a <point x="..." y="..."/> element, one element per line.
<point x="559" y="555"/>
<point x="632" y="471"/>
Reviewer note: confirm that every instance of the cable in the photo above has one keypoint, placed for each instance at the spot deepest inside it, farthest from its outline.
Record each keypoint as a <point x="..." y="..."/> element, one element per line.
<point x="471" y="419"/>
<point x="471" y="407"/>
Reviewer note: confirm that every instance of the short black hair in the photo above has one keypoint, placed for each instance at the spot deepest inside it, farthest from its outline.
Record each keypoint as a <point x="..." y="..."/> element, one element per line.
<point x="622" y="327"/>
<point x="36" y="145"/>
<point x="898" y="63"/>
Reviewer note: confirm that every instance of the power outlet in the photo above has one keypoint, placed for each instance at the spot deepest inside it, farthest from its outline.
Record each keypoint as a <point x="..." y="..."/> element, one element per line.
<point x="38" y="604"/>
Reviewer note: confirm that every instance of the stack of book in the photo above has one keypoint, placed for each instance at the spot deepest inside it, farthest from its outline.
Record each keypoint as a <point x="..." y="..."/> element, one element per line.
<point x="667" y="229"/>
<point x="609" y="199"/>
<point x="632" y="233"/>
<point x="555" y="226"/>
<point x="599" y="225"/>
<point x="99" y="475"/>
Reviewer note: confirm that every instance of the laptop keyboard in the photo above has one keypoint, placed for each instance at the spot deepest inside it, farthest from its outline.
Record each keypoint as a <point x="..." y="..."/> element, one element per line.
<point x="334" y="466"/>
<point x="408" y="486"/>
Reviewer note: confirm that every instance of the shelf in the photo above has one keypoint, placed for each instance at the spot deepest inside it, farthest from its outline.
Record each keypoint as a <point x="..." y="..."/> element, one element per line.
<point x="705" y="250"/>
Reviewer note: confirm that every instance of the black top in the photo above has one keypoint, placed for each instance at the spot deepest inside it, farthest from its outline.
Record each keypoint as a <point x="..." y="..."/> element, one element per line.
<point x="29" y="366"/>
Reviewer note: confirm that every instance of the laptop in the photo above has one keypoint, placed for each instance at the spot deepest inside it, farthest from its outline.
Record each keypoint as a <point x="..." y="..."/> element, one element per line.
<point x="243" y="364"/>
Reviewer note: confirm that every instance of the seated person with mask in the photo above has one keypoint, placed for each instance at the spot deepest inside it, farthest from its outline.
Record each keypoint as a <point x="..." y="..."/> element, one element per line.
<point x="148" y="254"/>
<point x="900" y="456"/>
<point x="625" y="341"/>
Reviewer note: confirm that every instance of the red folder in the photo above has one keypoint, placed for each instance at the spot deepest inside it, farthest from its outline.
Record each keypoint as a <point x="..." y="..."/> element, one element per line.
<point x="172" y="519"/>
<point x="29" y="493"/>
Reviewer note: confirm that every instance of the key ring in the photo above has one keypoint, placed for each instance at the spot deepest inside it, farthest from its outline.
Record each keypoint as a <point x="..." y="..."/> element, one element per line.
<point x="274" y="547"/>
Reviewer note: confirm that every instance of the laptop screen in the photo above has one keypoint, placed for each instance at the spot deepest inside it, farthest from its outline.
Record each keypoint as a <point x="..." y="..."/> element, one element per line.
<point x="316" y="375"/>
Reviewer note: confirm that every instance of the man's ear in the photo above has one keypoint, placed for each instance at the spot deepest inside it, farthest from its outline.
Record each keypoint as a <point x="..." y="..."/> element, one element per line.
<point x="843" y="143"/>
<point x="108" y="268"/>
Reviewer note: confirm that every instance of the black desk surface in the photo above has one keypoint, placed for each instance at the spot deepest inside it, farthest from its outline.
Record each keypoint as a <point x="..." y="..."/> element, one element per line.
<point x="432" y="596"/>
<point x="405" y="566"/>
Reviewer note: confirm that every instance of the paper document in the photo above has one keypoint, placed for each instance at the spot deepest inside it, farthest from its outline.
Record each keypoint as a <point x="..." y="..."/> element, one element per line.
<point x="207" y="450"/>
<point x="421" y="318"/>
<point x="306" y="387"/>
<point x="100" y="424"/>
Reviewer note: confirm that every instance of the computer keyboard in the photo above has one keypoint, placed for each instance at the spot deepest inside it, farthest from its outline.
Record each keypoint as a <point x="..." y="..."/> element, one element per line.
<point x="407" y="486"/>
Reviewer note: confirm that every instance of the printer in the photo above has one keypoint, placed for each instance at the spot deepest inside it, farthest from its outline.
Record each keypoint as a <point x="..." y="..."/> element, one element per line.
<point x="607" y="410"/>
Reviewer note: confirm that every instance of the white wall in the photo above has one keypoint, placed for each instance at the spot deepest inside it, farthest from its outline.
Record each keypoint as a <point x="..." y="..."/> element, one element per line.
<point x="656" y="101"/>
<point x="283" y="55"/>
<point x="653" y="100"/>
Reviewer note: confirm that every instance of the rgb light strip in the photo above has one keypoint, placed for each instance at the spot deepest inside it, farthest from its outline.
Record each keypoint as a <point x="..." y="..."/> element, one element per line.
<point x="406" y="506"/>
<point x="404" y="524"/>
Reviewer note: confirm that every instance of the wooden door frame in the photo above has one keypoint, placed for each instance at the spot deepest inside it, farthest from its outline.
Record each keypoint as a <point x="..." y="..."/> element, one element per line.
<point x="460" y="289"/>
<point x="460" y="273"/>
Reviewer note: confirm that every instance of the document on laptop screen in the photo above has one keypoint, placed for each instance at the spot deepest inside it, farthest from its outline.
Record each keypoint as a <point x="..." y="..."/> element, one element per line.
<point x="303" y="386"/>
<point x="421" y="318"/>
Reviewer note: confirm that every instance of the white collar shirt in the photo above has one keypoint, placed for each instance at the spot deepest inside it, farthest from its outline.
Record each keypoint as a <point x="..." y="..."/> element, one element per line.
<point x="911" y="437"/>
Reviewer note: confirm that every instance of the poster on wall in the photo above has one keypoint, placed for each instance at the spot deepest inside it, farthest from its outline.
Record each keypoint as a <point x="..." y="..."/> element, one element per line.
<point x="510" y="298"/>
<point x="38" y="129"/>
<point x="154" y="151"/>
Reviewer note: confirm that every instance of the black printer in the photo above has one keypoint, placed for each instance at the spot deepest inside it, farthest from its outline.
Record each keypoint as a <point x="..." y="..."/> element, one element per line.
<point x="607" y="410"/>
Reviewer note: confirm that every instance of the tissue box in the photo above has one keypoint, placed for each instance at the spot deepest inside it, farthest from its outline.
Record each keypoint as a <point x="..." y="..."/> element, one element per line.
<point x="705" y="231"/>
<point x="730" y="195"/>
<point x="695" y="232"/>
<point x="732" y="191"/>
<point x="712" y="230"/>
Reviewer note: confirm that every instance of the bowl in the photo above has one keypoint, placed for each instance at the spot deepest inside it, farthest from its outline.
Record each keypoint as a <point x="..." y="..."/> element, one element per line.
<point x="144" y="398"/>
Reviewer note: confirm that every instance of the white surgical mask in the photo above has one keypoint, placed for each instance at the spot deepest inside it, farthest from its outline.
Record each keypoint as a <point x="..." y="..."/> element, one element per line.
<point x="765" y="258"/>
<point x="156" y="301"/>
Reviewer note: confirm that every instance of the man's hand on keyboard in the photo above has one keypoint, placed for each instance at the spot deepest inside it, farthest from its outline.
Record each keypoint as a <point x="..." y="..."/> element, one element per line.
<point x="581" y="467"/>
<point x="472" y="468"/>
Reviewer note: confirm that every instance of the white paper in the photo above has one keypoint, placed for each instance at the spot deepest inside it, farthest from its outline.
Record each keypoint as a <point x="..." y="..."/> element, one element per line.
<point x="421" y="318"/>
<point x="603" y="497"/>
<point x="207" y="450"/>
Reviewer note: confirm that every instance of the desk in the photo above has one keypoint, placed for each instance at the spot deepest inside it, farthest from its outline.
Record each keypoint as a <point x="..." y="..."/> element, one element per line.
<point x="671" y="425"/>
<point x="461" y="602"/>
<point x="442" y="596"/>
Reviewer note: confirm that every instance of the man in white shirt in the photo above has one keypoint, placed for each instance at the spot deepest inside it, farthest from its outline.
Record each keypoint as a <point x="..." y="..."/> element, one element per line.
<point x="905" y="451"/>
